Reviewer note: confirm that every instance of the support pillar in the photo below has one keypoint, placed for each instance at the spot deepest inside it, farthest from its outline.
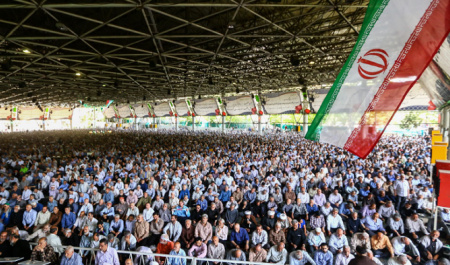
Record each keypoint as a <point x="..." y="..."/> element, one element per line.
<point x="95" y="119"/>
<point x="259" y="125"/>
<point x="223" y="124"/>
<point x="176" y="123"/>
<point x="43" y="125"/>
<point x="305" y="124"/>
<point x="71" y="123"/>
<point x="446" y="131"/>
<point x="193" y="123"/>
<point x="281" y="125"/>
<point x="12" y="126"/>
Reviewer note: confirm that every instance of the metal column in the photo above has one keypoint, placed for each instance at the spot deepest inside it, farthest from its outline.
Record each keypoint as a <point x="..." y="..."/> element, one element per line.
<point x="305" y="123"/>
<point x="193" y="123"/>
<point x="176" y="123"/>
<point x="259" y="125"/>
<point x="95" y="119"/>
<point x="446" y="130"/>
<point x="12" y="126"/>
<point x="223" y="124"/>
<point x="43" y="124"/>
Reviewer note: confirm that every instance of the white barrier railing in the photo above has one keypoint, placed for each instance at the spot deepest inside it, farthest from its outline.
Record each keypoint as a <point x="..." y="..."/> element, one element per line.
<point x="144" y="258"/>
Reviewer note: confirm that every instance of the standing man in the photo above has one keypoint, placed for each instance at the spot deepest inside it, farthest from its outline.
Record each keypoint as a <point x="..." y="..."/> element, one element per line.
<point x="106" y="255"/>
<point x="401" y="191"/>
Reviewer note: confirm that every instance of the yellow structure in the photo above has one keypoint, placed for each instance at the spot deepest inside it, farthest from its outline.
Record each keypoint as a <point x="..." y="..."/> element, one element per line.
<point x="438" y="151"/>
<point x="436" y="138"/>
<point x="435" y="132"/>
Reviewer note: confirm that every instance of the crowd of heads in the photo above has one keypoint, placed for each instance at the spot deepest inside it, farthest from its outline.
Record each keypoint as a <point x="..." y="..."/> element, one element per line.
<point x="239" y="196"/>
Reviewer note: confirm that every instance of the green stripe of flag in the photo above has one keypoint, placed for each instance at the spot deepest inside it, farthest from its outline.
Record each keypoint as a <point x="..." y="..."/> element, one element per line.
<point x="374" y="10"/>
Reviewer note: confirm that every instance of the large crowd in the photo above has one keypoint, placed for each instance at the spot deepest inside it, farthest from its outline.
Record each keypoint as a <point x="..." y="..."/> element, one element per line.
<point x="276" y="198"/>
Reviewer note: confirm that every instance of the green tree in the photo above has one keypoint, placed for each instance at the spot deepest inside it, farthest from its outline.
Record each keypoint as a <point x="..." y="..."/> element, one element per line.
<point x="411" y="120"/>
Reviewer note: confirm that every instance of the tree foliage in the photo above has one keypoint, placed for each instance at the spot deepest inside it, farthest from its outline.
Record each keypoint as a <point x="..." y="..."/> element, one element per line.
<point x="411" y="120"/>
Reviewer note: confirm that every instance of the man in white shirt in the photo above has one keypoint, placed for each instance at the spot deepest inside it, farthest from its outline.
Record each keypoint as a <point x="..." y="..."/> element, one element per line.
<point x="401" y="191"/>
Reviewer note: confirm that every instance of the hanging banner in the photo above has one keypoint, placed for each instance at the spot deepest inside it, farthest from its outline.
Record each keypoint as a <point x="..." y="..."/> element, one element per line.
<point x="181" y="107"/>
<point x="30" y="113"/>
<point x="60" y="113"/>
<point x="140" y="110"/>
<point x="398" y="39"/>
<point x="125" y="112"/>
<point x="162" y="109"/>
<point x="281" y="103"/>
<point x="205" y="107"/>
<point x="241" y="105"/>
<point x="109" y="112"/>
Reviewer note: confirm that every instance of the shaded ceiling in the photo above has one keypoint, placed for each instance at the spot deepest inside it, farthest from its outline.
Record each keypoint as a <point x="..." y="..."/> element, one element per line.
<point x="132" y="50"/>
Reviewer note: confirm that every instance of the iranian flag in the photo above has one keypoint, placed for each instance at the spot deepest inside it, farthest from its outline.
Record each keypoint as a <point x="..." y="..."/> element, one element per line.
<point x="397" y="41"/>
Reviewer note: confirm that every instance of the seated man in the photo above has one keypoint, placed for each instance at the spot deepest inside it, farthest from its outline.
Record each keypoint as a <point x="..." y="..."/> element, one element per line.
<point x="403" y="246"/>
<point x="396" y="226"/>
<point x="257" y="254"/>
<point x="360" y="240"/>
<point x="399" y="260"/>
<point x="381" y="245"/>
<point x="44" y="252"/>
<point x="430" y="246"/>
<point x="165" y="246"/>
<point x="338" y="241"/>
<point x="239" y="238"/>
<point x="323" y="256"/>
<point x="236" y="255"/>
<point x="373" y="224"/>
<point x="277" y="254"/>
<point x="344" y="257"/>
<point x="316" y="239"/>
<point x="300" y="257"/>
<point x="415" y="227"/>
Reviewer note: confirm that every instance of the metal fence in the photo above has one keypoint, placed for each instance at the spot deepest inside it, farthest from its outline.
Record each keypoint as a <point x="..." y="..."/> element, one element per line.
<point x="146" y="258"/>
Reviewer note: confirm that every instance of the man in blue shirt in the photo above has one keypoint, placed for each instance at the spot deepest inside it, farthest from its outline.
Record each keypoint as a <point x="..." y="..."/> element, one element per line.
<point x="70" y="257"/>
<point x="68" y="219"/>
<point x="323" y="256"/>
<point x="29" y="217"/>
<point x="177" y="251"/>
<point x="239" y="238"/>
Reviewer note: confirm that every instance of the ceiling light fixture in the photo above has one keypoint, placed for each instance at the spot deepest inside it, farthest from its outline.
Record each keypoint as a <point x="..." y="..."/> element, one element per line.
<point x="312" y="62"/>
<point x="26" y="51"/>
<point x="78" y="74"/>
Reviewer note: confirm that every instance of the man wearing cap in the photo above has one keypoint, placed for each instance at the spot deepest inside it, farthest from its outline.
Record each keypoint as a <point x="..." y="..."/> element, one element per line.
<point x="249" y="222"/>
<point x="260" y="236"/>
<point x="269" y="222"/>
<point x="165" y="246"/>
<point x="204" y="229"/>
<point x="315" y="240"/>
